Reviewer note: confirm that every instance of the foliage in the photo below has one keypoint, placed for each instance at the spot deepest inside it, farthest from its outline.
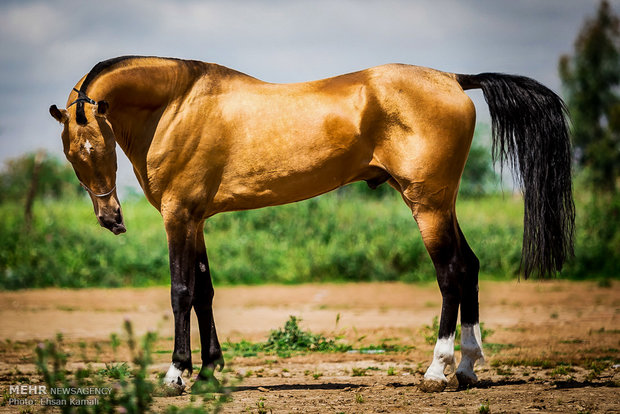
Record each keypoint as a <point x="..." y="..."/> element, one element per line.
<point x="132" y="392"/>
<point x="332" y="238"/>
<point x="597" y="247"/>
<point x="292" y="338"/>
<point x="479" y="177"/>
<point x="285" y="341"/>
<point x="56" y="179"/>
<point x="591" y="78"/>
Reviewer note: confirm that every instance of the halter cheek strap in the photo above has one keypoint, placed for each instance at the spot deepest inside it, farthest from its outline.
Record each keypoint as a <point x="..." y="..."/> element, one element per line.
<point x="95" y="194"/>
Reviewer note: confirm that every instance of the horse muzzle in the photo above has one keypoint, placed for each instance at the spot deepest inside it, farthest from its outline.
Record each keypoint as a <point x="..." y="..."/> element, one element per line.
<point x="113" y="222"/>
<point x="109" y="214"/>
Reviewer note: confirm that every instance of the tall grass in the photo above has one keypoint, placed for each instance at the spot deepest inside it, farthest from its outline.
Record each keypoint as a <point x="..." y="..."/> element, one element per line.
<point x="342" y="236"/>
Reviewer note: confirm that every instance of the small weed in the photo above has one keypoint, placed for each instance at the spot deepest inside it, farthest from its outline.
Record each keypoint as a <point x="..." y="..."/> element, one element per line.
<point x="115" y="371"/>
<point x="358" y="372"/>
<point x="484" y="408"/>
<point x="391" y="371"/>
<point x="562" y="370"/>
<point x="260" y="404"/>
<point x="285" y="341"/>
<point x="317" y="375"/>
<point x="507" y="372"/>
<point x="5" y="398"/>
<point x="114" y="342"/>
<point x="554" y="315"/>
<point x="359" y="398"/>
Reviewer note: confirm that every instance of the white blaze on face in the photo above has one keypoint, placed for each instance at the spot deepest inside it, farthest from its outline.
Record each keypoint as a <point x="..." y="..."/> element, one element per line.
<point x="88" y="146"/>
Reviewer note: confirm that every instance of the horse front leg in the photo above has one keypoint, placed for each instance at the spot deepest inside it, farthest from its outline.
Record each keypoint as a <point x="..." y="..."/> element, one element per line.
<point x="182" y="249"/>
<point x="210" y="350"/>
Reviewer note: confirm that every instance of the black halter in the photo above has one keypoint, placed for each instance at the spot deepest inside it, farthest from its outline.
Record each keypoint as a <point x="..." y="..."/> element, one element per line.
<point x="82" y="97"/>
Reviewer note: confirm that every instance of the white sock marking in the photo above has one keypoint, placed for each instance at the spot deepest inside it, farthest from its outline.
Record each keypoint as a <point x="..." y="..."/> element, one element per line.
<point x="471" y="350"/>
<point x="173" y="376"/>
<point x="443" y="356"/>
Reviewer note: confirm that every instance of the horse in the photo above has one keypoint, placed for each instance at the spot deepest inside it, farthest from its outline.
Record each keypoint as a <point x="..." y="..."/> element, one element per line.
<point x="205" y="139"/>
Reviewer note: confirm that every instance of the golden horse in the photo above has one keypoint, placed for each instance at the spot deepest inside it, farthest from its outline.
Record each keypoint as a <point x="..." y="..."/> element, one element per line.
<point x="205" y="139"/>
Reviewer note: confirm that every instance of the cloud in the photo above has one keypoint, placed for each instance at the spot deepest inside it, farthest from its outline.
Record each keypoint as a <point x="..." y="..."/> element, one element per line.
<point x="47" y="46"/>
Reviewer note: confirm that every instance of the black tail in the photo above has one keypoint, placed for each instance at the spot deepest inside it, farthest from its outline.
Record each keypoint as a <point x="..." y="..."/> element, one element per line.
<point x="530" y="131"/>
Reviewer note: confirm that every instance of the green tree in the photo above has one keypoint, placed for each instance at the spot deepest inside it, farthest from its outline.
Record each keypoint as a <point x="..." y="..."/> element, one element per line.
<point x="591" y="80"/>
<point x="55" y="178"/>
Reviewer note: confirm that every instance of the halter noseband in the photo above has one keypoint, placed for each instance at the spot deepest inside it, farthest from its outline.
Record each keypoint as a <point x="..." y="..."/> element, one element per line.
<point x="95" y="194"/>
<point x="82" y="97"/>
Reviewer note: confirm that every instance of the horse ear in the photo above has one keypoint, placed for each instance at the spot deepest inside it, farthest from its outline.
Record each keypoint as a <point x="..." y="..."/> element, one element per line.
<point x="102" y="107"/>
<point x="59" y="115"/>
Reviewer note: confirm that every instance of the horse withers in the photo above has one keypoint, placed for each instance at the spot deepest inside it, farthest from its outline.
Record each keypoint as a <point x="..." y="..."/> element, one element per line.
<point x="205" y="139"/>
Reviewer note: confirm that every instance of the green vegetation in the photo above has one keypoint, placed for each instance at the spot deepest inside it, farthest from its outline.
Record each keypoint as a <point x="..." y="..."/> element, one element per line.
<point x="129" y="388"/>
<point x="285" y="341"/>
<point x="591" y="77"/>
<point x="591" y="81"/>
<point x="132" y="392"/>
<point x="341" y="236"/>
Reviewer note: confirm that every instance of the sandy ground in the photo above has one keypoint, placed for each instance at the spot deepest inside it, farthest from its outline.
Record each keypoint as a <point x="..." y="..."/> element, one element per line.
<point x="554" y="346"/>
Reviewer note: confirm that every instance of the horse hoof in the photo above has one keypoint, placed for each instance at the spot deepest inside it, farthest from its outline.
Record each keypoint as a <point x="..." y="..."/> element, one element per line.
<point x="174" y="384"/>
<point x="466" y="379"/>
<point x="432" y="385"/>
<point x="169" y="389"/>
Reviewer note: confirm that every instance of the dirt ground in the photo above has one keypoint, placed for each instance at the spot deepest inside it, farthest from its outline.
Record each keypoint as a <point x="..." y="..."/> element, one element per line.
<point x="554" y="346"/>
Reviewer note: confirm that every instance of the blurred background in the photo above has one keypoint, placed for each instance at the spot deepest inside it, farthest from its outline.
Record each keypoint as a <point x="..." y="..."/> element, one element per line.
<point x="50" y="237"/>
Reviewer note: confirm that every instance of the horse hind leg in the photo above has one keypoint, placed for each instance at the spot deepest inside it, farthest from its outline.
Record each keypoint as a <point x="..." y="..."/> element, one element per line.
<point x="455" y="266"/>
<point x="471" y="338"/>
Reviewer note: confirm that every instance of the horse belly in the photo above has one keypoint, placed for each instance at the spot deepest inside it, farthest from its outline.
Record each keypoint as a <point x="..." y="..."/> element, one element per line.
<point x="294" y="167"/>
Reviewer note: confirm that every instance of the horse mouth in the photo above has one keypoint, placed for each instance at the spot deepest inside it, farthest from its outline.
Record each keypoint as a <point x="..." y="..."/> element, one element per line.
<point x="118" y="229"/>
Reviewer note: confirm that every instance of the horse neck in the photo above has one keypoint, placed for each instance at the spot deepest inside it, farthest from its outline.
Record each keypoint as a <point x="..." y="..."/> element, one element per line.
<point x="138" y="94"/>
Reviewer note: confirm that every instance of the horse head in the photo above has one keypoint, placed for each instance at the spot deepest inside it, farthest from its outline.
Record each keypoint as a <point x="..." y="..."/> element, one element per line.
<point x="90" y="146"/>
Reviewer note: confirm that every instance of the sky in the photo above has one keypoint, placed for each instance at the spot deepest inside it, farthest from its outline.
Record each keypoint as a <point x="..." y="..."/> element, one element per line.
<point x="47" y="46"/>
